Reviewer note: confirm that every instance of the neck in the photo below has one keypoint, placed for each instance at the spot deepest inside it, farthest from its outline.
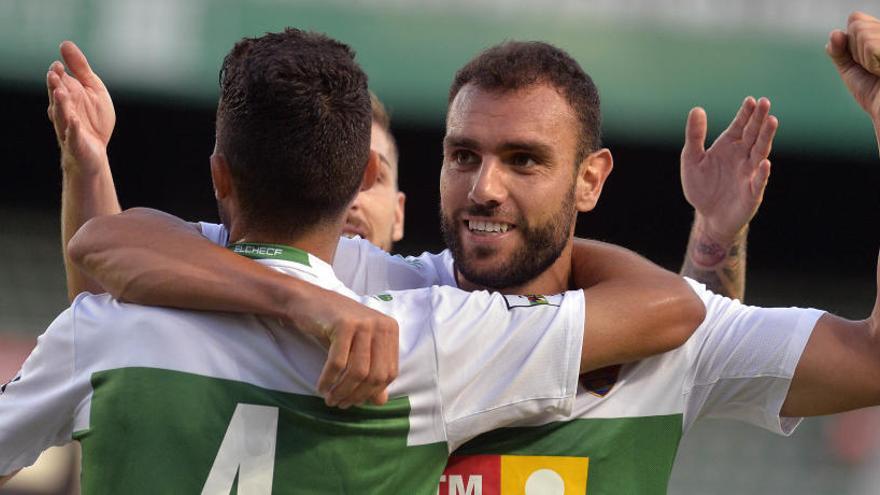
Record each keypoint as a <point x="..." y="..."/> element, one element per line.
<point x="553" y="280"/>
<point x="320" y="241"/>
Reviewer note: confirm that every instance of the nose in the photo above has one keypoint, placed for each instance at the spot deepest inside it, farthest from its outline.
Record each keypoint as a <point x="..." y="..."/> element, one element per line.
<point x="356" y="204"/>
<point x="488" y="188"/>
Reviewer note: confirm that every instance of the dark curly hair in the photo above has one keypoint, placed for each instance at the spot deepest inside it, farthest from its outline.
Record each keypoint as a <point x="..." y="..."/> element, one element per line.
<point x="293" y="122"/>
<point x="514" y="65"/>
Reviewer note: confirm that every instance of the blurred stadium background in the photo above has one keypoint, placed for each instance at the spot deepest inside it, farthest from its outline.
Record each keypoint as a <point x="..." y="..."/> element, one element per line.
<point x="813" y="243"/>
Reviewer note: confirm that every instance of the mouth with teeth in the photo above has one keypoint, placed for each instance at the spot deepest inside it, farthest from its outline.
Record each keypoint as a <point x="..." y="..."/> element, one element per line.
<point x="483" y="227"/>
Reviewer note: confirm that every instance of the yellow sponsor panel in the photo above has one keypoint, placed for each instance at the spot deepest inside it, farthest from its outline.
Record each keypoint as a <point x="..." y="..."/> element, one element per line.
<point x="543" y="475"/>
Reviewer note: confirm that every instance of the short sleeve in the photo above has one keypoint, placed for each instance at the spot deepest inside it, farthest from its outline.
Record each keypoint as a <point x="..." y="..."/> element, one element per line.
<point x="743" y="360"/>
<point x="367" y="269"/>
<point x="499" y="360"/>
<point x="37" y="407"/>
<point x="215" y="233"/>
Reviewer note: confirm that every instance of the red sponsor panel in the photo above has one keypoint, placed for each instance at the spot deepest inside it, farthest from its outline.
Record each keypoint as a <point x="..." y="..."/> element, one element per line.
<point x="471" y="475"/>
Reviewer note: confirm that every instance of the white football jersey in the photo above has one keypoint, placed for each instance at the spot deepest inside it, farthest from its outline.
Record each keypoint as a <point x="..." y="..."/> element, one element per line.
<point x="627" y="420"/>
<point x="173" y="401"/>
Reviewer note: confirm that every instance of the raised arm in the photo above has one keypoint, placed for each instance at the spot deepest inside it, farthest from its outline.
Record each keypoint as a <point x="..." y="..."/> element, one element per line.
<point x="153" y="258"/>
<point x="634" y="308"/>
<point x="82" y="114"/>
<point x="840" y="367"/>
<point x="725" y="185"/>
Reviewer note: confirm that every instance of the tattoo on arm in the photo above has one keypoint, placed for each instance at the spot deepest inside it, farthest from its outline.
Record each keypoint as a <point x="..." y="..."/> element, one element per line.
<point x="722" y="268"/>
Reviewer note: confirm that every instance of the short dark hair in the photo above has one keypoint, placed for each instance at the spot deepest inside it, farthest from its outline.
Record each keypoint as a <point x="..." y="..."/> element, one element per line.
<point x="293" y="122"/>
<point x="514" y="65"/>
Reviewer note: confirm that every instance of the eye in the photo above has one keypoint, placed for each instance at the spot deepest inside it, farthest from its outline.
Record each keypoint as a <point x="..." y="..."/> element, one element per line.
<point x="465" y="158"/>
<point x="523" y="160"/>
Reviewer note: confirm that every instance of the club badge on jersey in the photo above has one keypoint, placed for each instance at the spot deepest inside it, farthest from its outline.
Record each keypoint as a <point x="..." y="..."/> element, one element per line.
<point x="532" y="300"/>
<point x="601" y="381"/>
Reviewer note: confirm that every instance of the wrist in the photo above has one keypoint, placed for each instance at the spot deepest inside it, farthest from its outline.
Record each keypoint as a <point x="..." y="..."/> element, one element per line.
<point x="72" y="167"/>
<point x="709" y="246"/>
<point x="293" y="301"/>
<point x="286" y="295"/>
<point x="724" y="237"/>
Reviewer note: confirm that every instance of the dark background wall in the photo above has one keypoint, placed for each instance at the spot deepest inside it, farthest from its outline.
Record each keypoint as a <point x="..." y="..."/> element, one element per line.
<point x="821" y="212"/>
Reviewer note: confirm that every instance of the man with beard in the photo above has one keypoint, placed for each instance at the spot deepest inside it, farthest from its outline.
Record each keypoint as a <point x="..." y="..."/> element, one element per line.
<point x="725" y="199"/>
<point x="763" y="366"/>
<point x="239" y="396"/>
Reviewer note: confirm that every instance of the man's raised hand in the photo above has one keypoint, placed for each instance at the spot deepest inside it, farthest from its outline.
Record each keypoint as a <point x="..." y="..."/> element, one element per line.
<point x="725" y="184"/>
<point x="856" y="55"/>
<point x="81" y="111"/>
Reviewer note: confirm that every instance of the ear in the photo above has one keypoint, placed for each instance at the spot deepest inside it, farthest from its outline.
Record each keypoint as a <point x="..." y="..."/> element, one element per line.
<point x="221" y="176"/>
<point x="371" y="171"/>
<point x="593" y="171"/>
<point x="397" y="227"/>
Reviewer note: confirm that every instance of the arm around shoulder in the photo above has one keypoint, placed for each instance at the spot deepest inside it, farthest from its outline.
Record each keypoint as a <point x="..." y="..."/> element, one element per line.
<point x="634" y="308"/>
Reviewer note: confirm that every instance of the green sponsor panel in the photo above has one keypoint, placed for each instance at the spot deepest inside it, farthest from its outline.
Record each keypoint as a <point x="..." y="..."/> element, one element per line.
<point x="627" y="455"/>
<point x="159" y="431"/>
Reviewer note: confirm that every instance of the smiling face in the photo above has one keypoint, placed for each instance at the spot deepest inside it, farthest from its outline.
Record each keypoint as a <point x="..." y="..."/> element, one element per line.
<point x="508" y="183"/>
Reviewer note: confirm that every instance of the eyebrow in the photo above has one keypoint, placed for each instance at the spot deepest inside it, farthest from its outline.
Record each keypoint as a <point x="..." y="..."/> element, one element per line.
<point x="384" y="160"/>
<point x="536" y="147"/>
<point x="460" y="142"/>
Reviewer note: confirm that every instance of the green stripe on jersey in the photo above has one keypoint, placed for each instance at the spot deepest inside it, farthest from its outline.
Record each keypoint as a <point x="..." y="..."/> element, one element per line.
<point x="260" y="251"/>
<point x="159" y="431"/>
<point x="627" y="455"/>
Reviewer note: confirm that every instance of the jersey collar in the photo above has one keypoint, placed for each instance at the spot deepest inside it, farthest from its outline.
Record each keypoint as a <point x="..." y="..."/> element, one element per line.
<point x="286" y="257"/>
<point x="260" y="251"/>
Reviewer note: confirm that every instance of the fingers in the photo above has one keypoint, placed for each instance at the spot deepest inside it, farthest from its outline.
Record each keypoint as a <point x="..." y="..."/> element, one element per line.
<point x="859" y="16"/>
<point x="756" y="121"/>
<point x="764" y="142"/>
<point x="76" y="61"/>
<point x="837" y="49"/>
<point x="694" y="135"/>
<point x="53" y="82"/>
<point x="735" y="129"/>
<point x="57" y="114"/>
<point x="376" y="379"/>
<point x="380" y="398"/>
<point x="863" y="32"/>
<point x="337" y="361"/>
<point x="759" y="180"/>
<point x="362" y="362"/>
<point x="343" y="392"/>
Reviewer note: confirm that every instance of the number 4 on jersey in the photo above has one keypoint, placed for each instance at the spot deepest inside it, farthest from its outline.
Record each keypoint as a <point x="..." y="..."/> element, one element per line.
<point x="248" y="450"/>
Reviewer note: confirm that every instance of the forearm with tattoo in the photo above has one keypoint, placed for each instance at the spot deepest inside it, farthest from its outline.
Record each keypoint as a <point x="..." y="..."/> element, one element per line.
<point x="721" y="266"/>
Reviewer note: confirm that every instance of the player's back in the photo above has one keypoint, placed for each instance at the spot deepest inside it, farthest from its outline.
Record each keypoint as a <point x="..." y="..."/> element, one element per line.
<point x="187" y="402"/>
<point x="172" y="401"/>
